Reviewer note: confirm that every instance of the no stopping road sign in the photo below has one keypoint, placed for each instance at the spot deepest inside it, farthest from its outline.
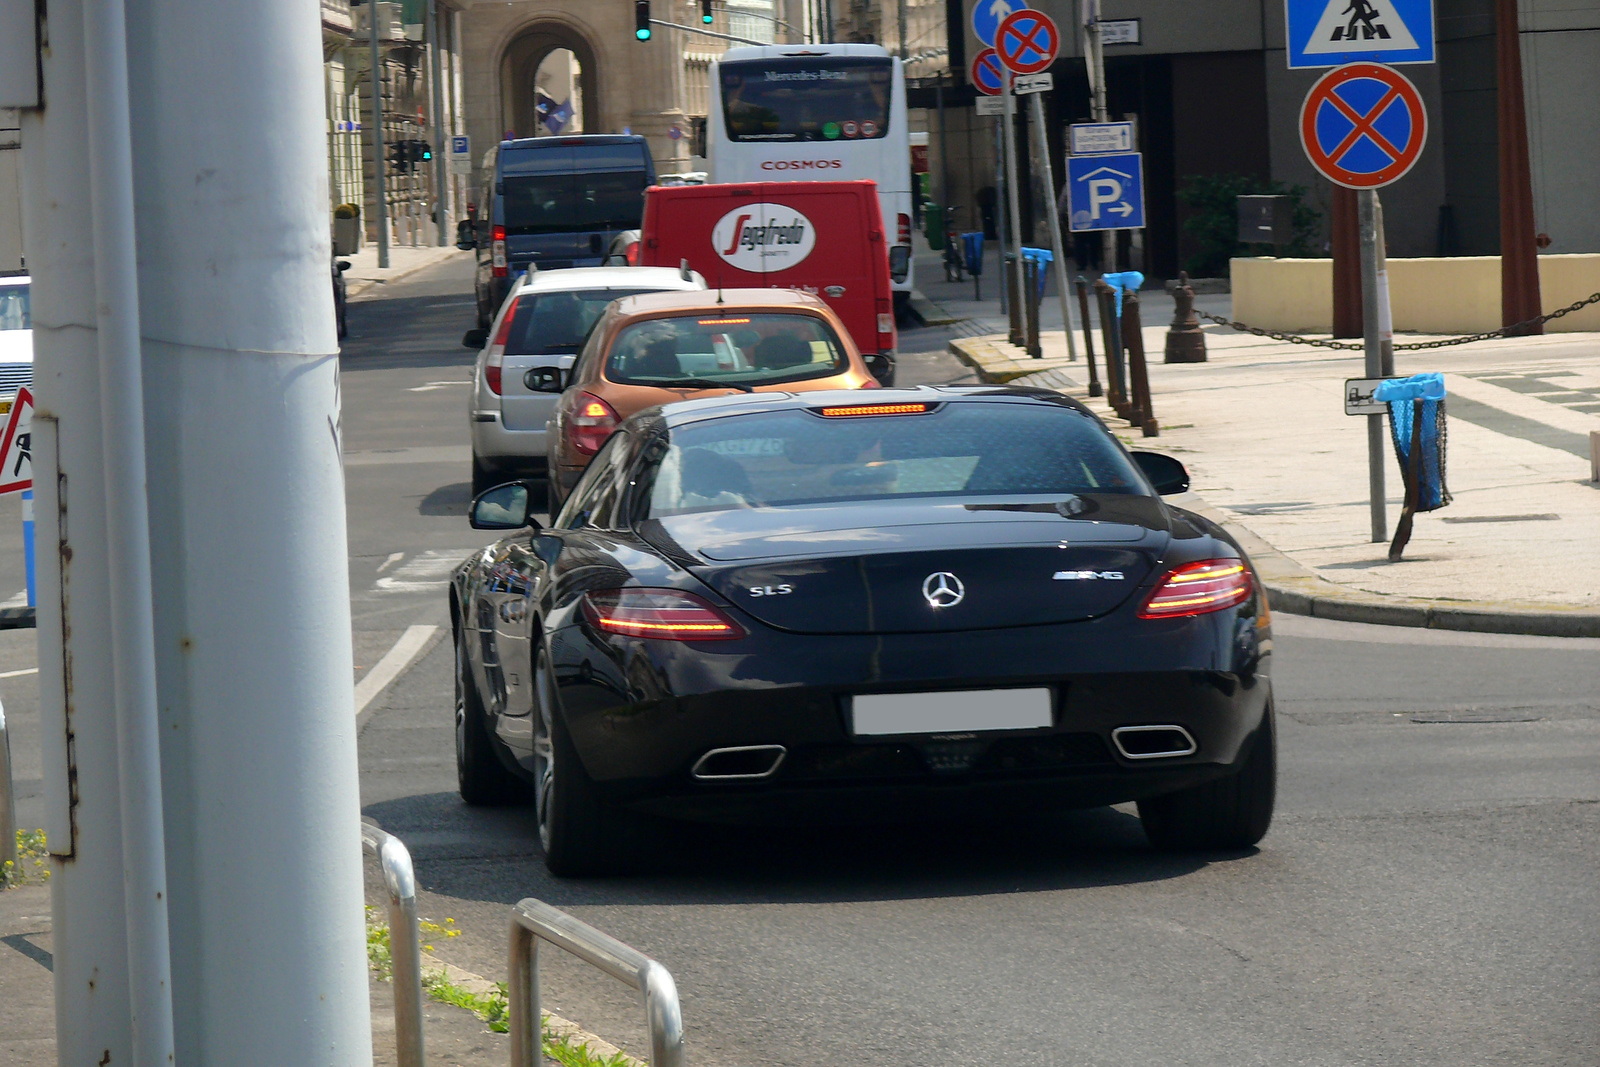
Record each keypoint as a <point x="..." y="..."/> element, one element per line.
<point x="1363" y="125"/>
<point x="1027" y="41"/>
<point x="988" y="76"/>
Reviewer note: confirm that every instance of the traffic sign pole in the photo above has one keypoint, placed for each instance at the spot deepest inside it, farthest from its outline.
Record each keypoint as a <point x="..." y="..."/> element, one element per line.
<point x="1009" y="133"/>
<point x="1054" y="219"/>
<point x="1374" y="297"/>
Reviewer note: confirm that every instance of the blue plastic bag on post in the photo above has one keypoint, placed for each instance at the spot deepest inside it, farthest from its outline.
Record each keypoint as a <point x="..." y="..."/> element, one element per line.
<point x="972" y="248"/>
<point x="1401" y="394"/>
<point x="1042" y="258"/>
<point x="1128" y="279"/>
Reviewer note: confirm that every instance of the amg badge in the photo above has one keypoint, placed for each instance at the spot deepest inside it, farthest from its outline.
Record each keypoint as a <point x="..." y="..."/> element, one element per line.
<point x="1088" y="576"/>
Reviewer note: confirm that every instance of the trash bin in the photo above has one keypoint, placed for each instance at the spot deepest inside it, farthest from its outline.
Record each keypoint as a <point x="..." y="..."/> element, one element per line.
<point x="1041" y="259"/>
<point x="972" y="251"/>
<point x="933" y="226"/>
<point x="1419" y="398"/>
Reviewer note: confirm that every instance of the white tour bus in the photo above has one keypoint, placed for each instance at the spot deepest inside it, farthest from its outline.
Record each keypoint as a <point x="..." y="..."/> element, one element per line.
<point x="823" y="112"/>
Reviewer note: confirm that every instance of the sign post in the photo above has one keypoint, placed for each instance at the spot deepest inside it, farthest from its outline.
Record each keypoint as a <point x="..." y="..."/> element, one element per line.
<point x="1363" y="126"/>
<point x="1026" y="42"/>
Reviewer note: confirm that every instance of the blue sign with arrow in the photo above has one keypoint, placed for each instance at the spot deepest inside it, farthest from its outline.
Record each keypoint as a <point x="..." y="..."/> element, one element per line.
<point x="987" y="15"/>
<point x="1105" y="192"/>
<point x="1331" y="33"/>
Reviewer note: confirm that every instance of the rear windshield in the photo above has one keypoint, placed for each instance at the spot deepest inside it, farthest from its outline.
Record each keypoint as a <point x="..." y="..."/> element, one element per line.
<point x="14" y="308"/>
<point x="834" y="99"/>
<point x="744" y="347"/>
<point x="574" y="203"/>
<point x="792" y="457"/>
<point x="557" y="323"/>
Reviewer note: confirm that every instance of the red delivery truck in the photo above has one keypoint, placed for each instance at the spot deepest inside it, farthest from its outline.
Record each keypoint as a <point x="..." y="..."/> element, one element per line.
<point x="824" y="238"/>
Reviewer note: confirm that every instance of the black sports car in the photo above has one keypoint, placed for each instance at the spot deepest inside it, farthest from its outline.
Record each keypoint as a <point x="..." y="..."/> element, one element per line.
<point x="903" y="602"/>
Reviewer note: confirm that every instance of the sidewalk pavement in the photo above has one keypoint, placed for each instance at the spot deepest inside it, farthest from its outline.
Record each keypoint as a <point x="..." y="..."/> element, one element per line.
<point x="1273" y="457"/>
<point x="404" y="261"/>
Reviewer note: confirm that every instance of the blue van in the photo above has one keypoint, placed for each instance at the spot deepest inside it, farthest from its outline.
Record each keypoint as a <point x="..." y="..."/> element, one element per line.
<point x="553" y="202"/>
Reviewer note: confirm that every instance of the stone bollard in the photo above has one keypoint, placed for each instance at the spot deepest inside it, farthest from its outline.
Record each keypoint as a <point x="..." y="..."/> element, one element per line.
<point x="1186" y="343"/>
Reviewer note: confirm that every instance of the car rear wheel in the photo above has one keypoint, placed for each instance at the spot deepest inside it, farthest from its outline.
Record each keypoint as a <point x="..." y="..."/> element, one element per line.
<point x="481" y="777"/>
<point x="581" y="835"/>
<point x="1231" y="812"/>
<point x="482" y="477"/>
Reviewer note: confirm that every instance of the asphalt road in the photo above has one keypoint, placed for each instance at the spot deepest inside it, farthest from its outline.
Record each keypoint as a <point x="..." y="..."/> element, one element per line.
<point x="1429" y="892"/>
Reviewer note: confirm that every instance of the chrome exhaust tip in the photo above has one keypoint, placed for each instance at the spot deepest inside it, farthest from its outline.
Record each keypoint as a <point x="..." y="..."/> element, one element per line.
<point x="745" y="762"/>
<point x="1153" y="742"/>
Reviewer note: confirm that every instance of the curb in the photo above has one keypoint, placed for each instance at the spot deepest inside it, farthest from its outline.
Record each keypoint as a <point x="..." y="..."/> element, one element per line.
<point x="929" y="313"/>
<point x="1293" y="588"/>
<point x="361" y="285"/>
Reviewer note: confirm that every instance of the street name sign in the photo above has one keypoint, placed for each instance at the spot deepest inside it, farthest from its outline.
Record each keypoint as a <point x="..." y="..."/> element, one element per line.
<point x="990" y="105"/>
<point x="1119" y="31"/>
<point x="1088" y="138"/>
<point x="1363" y="125"/>
<point x="1358" y="397"/>
<point x="988" y="75"/>
<point x="1023" y="84"/>
<point x="987" y="15"/>
<point x="1106" y="192"/>
<point x="1331" y="33"/>
<point x="16" y="446"/>
<point x="1027" y="41"/>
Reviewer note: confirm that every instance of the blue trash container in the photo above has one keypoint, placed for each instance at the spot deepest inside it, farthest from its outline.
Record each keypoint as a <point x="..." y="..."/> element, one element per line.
<point x="1041" y="258"/>
<point x="1402" y="394"/>
<point x="972" y="248"/>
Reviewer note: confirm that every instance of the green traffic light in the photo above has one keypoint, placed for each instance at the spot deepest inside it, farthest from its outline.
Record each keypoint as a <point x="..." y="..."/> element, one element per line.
<point x="642" y="34"/>
<point x="708" y="19"/>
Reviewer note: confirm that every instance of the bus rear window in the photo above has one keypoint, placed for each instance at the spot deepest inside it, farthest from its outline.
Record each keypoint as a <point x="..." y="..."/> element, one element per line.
<point x="832" y="99"/>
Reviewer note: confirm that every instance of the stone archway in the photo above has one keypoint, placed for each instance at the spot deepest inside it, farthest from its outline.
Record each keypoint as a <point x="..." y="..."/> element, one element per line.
<point x="519" y="65"/>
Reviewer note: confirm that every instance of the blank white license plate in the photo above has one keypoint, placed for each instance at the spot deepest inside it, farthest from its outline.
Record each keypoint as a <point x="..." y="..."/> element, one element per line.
<point x="959" y="712"/>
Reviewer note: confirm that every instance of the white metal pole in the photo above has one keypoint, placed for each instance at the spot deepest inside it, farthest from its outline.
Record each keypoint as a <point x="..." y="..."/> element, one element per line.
<point x="82" y="816"/>
<point x="1374" y="301"/>
<point x="380" y="200"/>
<point x="440" y="177"/>
<point x="247" y="523"/>
<point x="1009" y="138"/>
<point x="1095" y="60"/>
<point x="144" y="872"/>
<point x="1053" y="220"/>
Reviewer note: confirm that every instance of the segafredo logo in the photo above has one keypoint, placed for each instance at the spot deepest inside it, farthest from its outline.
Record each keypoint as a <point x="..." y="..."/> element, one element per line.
<point x="763" y="237"/>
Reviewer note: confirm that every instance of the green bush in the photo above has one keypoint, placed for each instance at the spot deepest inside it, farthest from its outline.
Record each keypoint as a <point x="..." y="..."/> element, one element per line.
<point x="1214" y="201"/>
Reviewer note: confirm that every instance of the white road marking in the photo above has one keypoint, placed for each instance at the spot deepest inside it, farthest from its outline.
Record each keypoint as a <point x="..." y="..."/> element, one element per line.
<point x="18" y="601"/>
<point x="422" y="454"/>
<point x="387" y="669"/>
<point x="19" y="674"/>
<point x="431" y="386"/>
<point x="394" y="557"/>
<point x="421" y="574"/>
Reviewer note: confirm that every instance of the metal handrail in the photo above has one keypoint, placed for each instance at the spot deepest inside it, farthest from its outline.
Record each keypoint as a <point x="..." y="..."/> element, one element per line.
<point x="533" y="921"/>
<point x="405" y="941"/>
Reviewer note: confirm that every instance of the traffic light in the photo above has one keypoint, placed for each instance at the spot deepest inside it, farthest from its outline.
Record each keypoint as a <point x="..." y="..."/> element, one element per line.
<point x="705" y="12"/>
<point x="641" y="19"/>
<point x="400" y="156"/>
<point x="421" y="151"/>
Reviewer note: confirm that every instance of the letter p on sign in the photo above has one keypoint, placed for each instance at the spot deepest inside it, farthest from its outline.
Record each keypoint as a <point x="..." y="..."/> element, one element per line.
<point x="1103" y="191"/>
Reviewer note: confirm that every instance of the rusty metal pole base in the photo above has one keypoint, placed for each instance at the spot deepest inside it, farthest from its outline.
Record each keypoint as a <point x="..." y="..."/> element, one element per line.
<point x="1186" y="342"/>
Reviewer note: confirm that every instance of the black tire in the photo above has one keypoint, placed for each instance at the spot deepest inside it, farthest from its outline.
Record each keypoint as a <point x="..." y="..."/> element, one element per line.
<point x="1229" y="813"/>
<point x="580" y="833"/>
<point x="482" y="477"/>
<point x="952" y="270"/>
<point x="481" y="777"/>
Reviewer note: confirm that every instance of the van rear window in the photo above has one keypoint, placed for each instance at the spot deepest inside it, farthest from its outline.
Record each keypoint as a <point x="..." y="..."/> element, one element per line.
<point x="574" y="203"/>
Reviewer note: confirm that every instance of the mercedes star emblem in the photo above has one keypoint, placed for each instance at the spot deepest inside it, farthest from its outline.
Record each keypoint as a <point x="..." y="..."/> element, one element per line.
<point x="943" y="590"/>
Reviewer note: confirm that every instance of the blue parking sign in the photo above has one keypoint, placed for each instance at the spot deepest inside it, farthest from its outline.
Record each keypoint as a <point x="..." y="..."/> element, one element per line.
<point x="1331" y="33"/>
<point x="1105" y="192"/>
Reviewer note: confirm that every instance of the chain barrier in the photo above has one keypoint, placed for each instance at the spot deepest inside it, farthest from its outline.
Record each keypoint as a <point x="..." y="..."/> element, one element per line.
<point x="1356" y="346"/>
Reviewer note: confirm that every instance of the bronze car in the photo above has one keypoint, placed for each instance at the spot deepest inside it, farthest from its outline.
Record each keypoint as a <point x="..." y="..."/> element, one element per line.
<point x="656" y="348"/>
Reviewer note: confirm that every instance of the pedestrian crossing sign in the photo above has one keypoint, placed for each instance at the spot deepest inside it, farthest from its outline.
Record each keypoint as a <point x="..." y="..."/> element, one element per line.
<point x="1331" y="33"/>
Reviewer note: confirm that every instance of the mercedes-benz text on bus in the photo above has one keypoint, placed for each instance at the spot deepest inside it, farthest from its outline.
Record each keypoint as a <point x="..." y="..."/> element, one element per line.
<point x="828" y="112"/>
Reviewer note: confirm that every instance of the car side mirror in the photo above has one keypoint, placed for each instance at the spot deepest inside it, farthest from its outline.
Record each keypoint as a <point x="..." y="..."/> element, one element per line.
<point x="1166" y="474"/>
<point x="465" y="236"/>
<point x="475" y="338"/>
<point x="342" y="265"/>
<point x="543" y="380"/>
<point x="504" y="507"/>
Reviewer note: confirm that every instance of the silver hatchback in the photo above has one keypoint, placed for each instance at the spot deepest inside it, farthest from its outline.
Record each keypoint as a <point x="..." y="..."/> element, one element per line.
<point x="527" y="351"/>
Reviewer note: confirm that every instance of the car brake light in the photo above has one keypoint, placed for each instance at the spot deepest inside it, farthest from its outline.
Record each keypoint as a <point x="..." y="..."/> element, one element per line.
<point x="667" y="614"/>
<point x="633" y="254"/>
<point x="905" y="229"/>
<point x="497" y="251"/>
<point x="857" y="410"/>
<point x="591" y="424"/>
<point x="497" y="348"/>
<point x="1198" y="588"/>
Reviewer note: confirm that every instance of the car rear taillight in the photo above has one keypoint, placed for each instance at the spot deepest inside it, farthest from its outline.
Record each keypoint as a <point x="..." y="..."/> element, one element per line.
<point x="497" y="251"/>
<point x="904" y="229"/>
<point x="633" y="254"/>
<point x="591" y="424"/>
<point x="1198" y="588"/>
<point x="885" y="326"/>
<point x="497" y="348"/>
<point x="667" y="614"/>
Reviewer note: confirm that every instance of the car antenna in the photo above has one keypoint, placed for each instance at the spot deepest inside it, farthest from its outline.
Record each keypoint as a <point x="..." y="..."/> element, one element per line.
<point x="719" y="285"/>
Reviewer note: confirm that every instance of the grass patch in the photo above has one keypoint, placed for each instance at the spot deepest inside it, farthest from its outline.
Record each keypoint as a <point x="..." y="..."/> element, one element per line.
<point x="32" y="864"/>
<point x="492" y="1007"/>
